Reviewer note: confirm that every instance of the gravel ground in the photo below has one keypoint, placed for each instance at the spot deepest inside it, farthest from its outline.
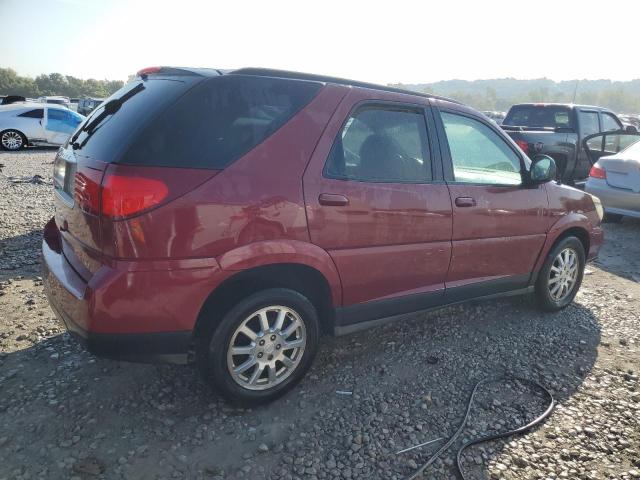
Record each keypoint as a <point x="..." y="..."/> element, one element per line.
<point x="67" y="414"/>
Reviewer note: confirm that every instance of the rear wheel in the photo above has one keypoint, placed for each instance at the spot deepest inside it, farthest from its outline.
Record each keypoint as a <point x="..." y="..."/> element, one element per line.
<point x="262" y="347"/>
<point x="12" y="140"/>
<point x="561" y="275"/>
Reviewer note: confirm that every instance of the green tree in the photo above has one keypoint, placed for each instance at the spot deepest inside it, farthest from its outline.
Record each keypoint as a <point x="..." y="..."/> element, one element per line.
<point x="55" y="84"/>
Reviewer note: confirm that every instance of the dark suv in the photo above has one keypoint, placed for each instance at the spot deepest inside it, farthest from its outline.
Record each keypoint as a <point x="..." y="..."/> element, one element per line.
<point x="229" y="218"/>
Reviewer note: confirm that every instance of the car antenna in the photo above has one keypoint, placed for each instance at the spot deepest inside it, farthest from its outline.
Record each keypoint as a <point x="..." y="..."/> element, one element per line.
<point x="575" y="92"/>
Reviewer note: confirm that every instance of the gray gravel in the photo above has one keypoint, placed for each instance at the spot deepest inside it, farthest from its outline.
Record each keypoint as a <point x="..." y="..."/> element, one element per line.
<point x="67" y="414"/>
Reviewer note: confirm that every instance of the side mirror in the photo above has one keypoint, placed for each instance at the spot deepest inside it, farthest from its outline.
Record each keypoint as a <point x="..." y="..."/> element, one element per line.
<point x="630" y="129"/>
<point x="543" y="169"/>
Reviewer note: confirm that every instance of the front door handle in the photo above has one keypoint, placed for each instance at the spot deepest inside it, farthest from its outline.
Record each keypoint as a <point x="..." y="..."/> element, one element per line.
<point x="333" y="200"/>
<point x="465" y="202"/>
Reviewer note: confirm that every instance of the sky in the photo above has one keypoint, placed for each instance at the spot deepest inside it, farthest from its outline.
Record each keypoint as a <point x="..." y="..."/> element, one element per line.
<point x="394" y="41"/>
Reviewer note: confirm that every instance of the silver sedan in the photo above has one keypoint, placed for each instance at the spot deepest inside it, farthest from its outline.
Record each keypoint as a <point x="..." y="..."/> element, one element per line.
<point x="28" y="123"/>
<point x="615" y="179"/>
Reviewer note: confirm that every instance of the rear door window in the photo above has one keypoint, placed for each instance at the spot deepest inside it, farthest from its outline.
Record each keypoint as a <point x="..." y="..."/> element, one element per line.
<point x="588" y="122"/>
<point x="219" y="121"/>
<point x="379" y="144"/>
<point x="609" y="122"/>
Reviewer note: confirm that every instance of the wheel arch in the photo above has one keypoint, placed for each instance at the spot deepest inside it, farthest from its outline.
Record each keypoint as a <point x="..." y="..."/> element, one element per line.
<point x="571" y="225"/>
<point x="299" y="277"/>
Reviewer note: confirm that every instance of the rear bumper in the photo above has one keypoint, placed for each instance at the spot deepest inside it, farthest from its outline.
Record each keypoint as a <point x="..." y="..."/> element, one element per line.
<point x="127" y="311"/>
<point x="162" y="347"/>
<point x="615" y="200"/>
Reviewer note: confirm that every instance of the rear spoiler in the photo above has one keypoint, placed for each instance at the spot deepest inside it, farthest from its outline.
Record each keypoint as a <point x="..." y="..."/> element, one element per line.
<point x="177" y="71"/>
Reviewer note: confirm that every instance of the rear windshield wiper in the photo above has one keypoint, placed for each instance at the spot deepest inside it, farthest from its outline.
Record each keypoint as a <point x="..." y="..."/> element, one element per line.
<point x="109" y="108"/>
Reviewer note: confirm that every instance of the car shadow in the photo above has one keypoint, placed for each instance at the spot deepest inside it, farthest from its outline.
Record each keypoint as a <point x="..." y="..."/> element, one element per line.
<point x="620" y="253"/>
<point x="397" y="385"/>
<point x="28" y="150"/>
<point x="15" y="262"/>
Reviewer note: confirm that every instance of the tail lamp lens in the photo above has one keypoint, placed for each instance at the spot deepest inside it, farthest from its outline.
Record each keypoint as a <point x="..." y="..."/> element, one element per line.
<point x="86" y="193"/>
<point x="119" y="196"/>
<point x="125" y="196"/>
<point x="598" y="172"/>
<point x="524" y="145"/>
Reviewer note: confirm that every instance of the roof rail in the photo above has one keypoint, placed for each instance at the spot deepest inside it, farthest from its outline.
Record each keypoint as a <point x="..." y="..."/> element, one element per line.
<point x="268" y="72"/>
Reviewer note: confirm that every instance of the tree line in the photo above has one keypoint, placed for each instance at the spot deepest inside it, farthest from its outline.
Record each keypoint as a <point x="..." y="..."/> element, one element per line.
<point x="500" y="94"/>
<point x="55" y="84"/>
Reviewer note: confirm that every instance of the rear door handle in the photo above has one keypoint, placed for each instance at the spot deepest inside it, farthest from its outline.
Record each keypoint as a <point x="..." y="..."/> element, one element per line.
<point x="333" y="200"/>
<point x="465" y="202"/>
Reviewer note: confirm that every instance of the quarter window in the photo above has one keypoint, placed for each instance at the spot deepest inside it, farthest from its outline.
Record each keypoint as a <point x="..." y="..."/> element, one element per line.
<point x="478" y="153"/>
<point x="37" y="113"/>
<point x="381" y="144"/>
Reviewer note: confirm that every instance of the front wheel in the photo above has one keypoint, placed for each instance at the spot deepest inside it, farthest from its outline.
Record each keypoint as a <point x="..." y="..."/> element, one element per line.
<point x="561" y="275"/>
<point x="12" y="140"/>
<point x="262" y="347"/>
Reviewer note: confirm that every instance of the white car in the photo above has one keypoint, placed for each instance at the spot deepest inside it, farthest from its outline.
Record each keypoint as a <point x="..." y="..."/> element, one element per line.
<point x="64" y="101"/>
<point x="23" y="124"/>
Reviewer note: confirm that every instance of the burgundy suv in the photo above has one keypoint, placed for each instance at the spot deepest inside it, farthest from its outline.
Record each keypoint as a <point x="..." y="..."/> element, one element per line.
<point x="229" y="218"/>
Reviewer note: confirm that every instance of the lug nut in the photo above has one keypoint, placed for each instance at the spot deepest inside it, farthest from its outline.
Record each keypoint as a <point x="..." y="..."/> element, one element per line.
<point x="273" y="337"/>
<point x="278" y="347"/>
<point x="260" y="355"/>
<point x="261" y="342"/>
<point x="270" y="357"/>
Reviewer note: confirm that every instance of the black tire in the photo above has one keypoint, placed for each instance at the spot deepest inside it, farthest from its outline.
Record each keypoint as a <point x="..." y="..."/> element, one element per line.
<point x="211" y="352"/>
<point x="612" y="218"/>
<point x="18" y="133"/>
<point x="542" y="287"/>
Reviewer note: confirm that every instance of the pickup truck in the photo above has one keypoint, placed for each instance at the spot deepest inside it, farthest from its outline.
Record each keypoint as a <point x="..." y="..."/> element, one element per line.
<point x="557" y="130"/>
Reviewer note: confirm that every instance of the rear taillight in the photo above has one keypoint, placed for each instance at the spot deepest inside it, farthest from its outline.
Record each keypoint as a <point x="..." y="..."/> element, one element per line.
<point x="119" y="196"/>
<point x="598" y="172"/>
<point x="524" y="145"/>
<point x="124" y="196"/>
<point x="86" y="192"/>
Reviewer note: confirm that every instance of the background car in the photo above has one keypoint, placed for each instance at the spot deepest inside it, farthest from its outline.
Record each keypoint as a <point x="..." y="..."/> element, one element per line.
<point x="58" y="100"/>
<point x="23" y="124"/>
<point x="9" y="99"/>
<point x="615" y="179"/>
<point x="496" y="116"/>
<point x="88" y="105"/>
<point x="630" y="120"/>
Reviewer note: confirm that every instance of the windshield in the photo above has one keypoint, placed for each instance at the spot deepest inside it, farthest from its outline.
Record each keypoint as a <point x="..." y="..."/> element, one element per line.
<point x="539" y="116"/>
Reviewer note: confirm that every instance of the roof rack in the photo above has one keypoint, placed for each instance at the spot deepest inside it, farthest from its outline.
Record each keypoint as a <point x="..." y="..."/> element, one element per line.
<point x="268" y="72"/>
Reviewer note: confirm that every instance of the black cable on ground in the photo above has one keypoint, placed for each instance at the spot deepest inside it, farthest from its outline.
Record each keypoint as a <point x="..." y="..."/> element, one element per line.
<point x="453" y="438"/>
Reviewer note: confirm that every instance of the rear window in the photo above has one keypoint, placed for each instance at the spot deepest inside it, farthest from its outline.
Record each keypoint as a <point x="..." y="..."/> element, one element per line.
<point x="219" y="120"/>
<point x="113" y="133"/>
<point x="539" y="116"/>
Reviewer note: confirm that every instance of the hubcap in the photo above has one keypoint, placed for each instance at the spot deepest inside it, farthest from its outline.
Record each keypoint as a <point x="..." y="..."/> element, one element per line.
<point x="11" y="140"/>
<point x="266" y="347"/>
<point x="563" y="274"/>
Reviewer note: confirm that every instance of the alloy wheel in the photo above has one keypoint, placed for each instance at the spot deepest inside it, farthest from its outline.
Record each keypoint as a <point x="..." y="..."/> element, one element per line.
<point x="11" y="140"/>
<point x="563" y="274"/>
<point x="266" y="348"/>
